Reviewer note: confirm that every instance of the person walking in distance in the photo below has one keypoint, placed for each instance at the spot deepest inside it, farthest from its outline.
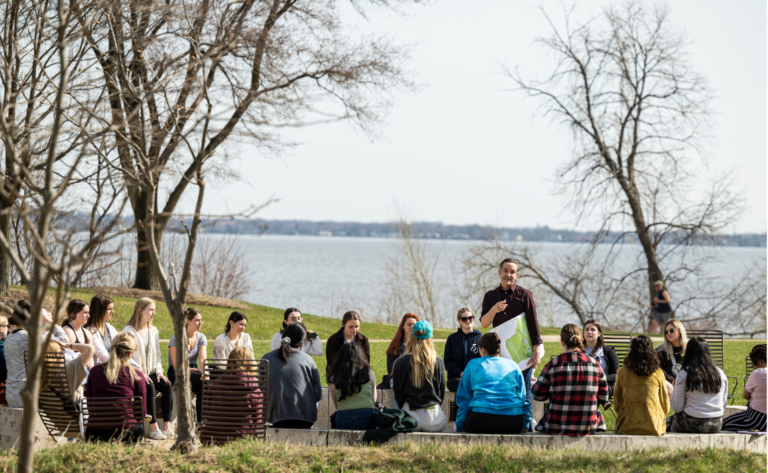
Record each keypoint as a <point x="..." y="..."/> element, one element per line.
<point x="662" y="311"/>
<point x="508" y="301"/>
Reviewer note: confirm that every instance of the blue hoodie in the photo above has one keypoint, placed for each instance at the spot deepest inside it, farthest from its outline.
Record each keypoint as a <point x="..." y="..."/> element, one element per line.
<point x="460" y="348"/>
<point x="492" y="385"/>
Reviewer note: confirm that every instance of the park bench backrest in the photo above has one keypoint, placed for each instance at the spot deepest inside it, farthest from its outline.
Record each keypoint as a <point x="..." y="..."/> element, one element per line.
<point x="620" y="344"/>
<point x="749" y="369"/>
<point x="56" y="405"/>
<point x="109" y="415"/>
<point x="232" y="407"/>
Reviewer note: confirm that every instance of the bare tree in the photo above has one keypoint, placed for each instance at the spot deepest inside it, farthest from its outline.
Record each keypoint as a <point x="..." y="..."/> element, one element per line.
<point x="251" y="65"/>
<point x="637" y="112"/>
<point x="411" y="281"/>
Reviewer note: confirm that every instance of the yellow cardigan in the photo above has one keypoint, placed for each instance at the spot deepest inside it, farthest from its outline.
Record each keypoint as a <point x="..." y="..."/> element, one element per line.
<point x="641" y="403"/>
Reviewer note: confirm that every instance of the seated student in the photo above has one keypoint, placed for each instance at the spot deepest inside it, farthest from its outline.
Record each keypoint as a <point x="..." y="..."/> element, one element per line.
<point x="3" y="370"/>
<point x="313" y="346"/>
<point x="352" y="389"/>
<point x="461" y="347"/>
<point x="595" y="346"/>
<point x="671" y="352"/>
<point x="196" y="354"/>
<point x="640" y="397"/>
<point x="396" y="347"/>
<point x="349" y="332"/>
<point x="418" y="380"/>
<point x="754" y="418"/>
<point x="150" y="361"/>
<point x="700" y="394"/>
<point x="491" y="395"/>
<point x="102" y="309"/>
<point x="575" y="385"/>
<point x="294" y="382"/>
<point x="235" y="382"/>
<point x="75" y="364"/>
<point x="113" y="379"/>
<point x="234" y="336"/>
<point x="78" y="314"/>
<point x="16" y="343"/>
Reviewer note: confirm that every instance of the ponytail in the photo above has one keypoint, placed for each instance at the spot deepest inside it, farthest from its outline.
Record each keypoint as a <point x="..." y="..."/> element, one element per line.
<point x="293" y="337"/>
<point x="571" y="337"/>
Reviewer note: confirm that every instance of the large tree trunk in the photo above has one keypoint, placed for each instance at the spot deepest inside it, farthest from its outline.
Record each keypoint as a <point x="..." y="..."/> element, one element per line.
<point x="186" y="413"/>
<point x="643" y="234"/>
<point x="146" y="276"/>
<point x="6" y="219"/>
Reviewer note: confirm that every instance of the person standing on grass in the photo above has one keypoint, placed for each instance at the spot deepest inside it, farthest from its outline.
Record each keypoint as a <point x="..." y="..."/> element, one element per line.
<point x="102" y="309"/>
<point x="575" y="386"/>
<point x="701" y="392"/>
<point x="196" y="355"/>
<point x="313" y="346"/>
<point x="662" y="310"/>
<point x="147" y="355"/>
<point x="491" y="395"/>
<point x="507" y="302"/>
<point x="640" y="397"/>
<point x="605" y="355"/>
<point x="353" y="390"/>
<point x="349" y="333"/>
<point x="754" y="418"/>
<point x="396" y="347"/>
<point x="78" y="314"/>
<point x="117" y="378"/>
<point x="418" y="379"/>
<point x="234" y="336"/>
<point x="294" y="382"/>
<point x="461" y="347"/>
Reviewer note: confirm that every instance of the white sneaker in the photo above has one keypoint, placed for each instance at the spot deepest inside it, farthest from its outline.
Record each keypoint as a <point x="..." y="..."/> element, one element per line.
<point x="157" y="434"/>
<point x="169" y="433"/>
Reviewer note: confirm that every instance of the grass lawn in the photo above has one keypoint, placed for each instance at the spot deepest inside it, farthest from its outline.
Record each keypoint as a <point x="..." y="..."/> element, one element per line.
<point x="253" y="455"/>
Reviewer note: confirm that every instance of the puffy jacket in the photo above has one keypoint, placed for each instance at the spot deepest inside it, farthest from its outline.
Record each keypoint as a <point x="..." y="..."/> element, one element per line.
<point x="460" y="348"/>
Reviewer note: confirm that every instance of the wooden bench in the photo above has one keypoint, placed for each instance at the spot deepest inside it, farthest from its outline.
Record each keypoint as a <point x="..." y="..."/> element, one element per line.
<point x="234" y="400"/>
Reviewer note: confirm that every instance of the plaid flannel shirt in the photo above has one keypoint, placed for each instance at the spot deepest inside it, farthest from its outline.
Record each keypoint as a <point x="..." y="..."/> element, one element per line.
<point x="575" y="384"/>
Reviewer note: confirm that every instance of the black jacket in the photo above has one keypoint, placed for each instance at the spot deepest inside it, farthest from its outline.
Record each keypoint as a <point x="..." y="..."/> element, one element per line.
<point x="430" y="394"/>
<point x="669" y="366"/>
<point x="336" y="341"/>
<point x="460" y="349"/>
<point x="613" y="364"/>
<point x="391" y="359"/>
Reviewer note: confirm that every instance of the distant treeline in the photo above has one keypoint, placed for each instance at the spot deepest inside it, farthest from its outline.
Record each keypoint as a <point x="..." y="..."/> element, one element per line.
<point x="436" y="230"/>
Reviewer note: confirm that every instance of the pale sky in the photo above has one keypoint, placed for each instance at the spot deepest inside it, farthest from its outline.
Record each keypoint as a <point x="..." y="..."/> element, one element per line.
<point x="464" y="149"/>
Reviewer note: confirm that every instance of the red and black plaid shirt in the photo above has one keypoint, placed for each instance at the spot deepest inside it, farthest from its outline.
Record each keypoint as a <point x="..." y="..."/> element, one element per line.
<point x="574" y="384"/>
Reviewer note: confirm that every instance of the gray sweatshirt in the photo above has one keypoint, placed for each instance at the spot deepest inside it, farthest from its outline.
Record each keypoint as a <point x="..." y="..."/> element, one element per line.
<point x="294" y="388"/>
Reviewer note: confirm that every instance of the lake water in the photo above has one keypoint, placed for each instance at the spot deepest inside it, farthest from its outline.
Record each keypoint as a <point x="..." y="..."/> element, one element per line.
<point x="329" y="275"/>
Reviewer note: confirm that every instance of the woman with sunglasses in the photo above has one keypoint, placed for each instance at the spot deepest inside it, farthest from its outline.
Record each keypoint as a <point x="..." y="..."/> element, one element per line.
<point x="461" y="347"/>
<point x="671" y="352"/>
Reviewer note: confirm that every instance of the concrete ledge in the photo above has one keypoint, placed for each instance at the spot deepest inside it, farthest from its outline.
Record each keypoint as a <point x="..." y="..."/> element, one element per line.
<point x="11" y="421"/>
<point x="730" y="410"/>
<point x="597" y="443"/>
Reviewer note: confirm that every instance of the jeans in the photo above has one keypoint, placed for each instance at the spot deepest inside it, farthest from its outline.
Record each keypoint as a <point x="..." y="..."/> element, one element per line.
<point x="355" y="419"/>
<point x="527" y="378"/>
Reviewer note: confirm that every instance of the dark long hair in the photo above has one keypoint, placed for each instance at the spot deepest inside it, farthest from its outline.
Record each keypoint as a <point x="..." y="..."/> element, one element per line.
<point x="642" y="358"/>
<point x="600" y="341"/>
<point x="298" y="334"/>
<point x="288" y="312"/>
<point x="394" y="346"/>
<point x="350" y="370"/>
<point x="702" y="373"/>
<point x="99" y="304"/>
<point x="74" y="307"/>
<point x="757" y="354"/>
<point x="235" y="317"/>
<point x="491" y="343"/>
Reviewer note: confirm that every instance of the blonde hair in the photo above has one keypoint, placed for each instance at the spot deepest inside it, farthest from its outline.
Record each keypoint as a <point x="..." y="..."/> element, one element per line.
<point x="423" y="360"/>
<point x="239" y="353"/>
<point x="461" y="312"/>
<point x="120" y="357"/>
<point x="141" y="304"/>
<point x="3" y="320"/>
<point x="52" y="347"/>
<point x="668" y="347"/>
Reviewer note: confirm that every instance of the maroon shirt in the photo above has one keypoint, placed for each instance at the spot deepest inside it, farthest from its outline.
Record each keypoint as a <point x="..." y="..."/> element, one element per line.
<point x="519" y="300"/>
<point x="98" y="386"/>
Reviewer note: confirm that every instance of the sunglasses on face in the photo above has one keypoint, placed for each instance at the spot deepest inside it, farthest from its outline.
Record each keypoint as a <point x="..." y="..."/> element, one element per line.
<point x="468" y="319"/>
<point x="667" y="332"/>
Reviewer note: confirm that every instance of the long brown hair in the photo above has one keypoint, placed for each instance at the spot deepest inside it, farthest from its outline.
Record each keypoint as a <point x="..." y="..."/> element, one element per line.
<point x="600" y="341"/>
<point x="99" y="304"/>
<point x="74" y="307"/>
<point x="394" y="346"/>
<point x="571" y="337"/>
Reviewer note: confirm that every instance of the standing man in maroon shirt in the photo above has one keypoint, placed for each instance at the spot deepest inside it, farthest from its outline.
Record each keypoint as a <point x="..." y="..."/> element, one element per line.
<point x="507" y="302"/>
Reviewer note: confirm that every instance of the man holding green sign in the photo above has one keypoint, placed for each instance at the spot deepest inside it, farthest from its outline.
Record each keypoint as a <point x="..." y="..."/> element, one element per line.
<point x="512" y="311"/>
